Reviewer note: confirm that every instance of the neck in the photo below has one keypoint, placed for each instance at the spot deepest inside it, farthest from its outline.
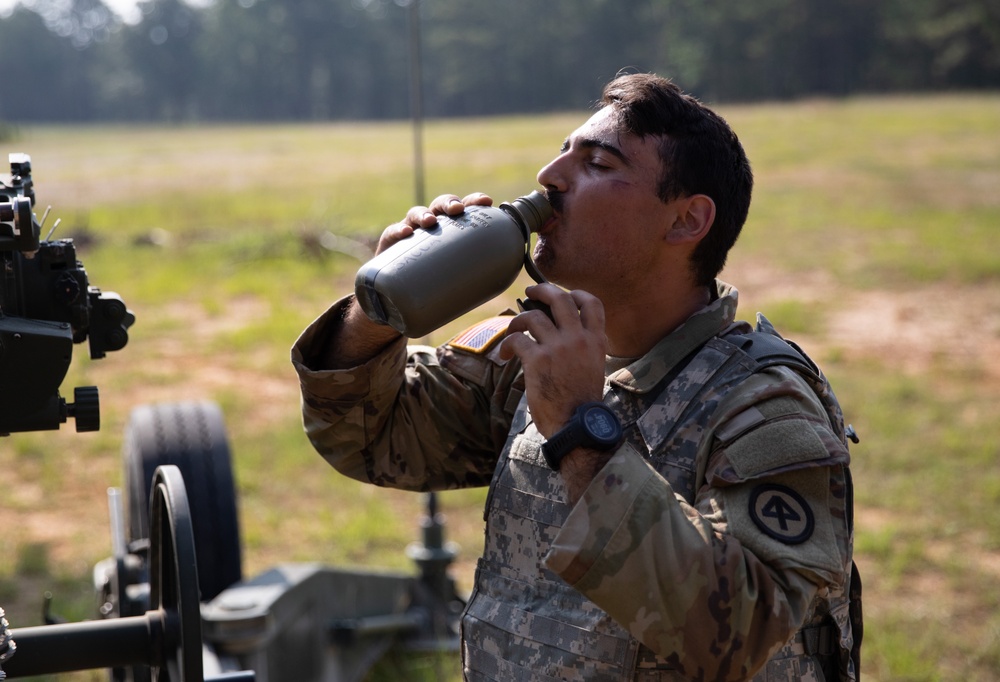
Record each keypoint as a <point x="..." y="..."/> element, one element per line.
<point x="635" y="325"/>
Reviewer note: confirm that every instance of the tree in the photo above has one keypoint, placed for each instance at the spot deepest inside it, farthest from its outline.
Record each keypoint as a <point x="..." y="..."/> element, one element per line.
<point x="46" y="76"/>
<point x="161" y="68"/>
<point x="940" y="44"/>
<point x="340" y="59"/>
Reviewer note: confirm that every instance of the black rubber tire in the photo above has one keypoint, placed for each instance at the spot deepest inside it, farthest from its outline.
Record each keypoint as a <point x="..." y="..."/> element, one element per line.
<point x="191" y="436"/>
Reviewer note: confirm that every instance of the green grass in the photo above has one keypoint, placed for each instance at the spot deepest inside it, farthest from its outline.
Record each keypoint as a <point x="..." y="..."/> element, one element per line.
<point x="899" y="191"/>
<point x="859" y="204"/>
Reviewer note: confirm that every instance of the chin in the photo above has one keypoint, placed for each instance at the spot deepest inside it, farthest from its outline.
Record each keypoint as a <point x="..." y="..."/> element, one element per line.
<point x="544" y="260"/>
<point x="551" y="272"/>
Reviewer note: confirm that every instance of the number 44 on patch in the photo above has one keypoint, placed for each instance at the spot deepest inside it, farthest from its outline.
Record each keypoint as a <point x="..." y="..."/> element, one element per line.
<point x="781" y="513"/>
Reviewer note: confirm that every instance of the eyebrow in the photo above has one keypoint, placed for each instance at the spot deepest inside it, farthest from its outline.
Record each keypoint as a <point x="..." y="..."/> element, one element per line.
<point x="591" y="143"/>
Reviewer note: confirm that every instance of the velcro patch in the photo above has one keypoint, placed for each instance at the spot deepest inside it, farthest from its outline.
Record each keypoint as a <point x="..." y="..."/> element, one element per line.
<point x="480" y="337"/>
<point x="781" y="513"/>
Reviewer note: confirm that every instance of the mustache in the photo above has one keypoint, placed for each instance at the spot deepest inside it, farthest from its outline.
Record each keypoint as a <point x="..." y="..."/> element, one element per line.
<point x="556" y="199"/>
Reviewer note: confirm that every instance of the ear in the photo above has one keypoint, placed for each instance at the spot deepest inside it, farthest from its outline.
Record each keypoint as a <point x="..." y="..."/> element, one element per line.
<point x="694" y="217"/>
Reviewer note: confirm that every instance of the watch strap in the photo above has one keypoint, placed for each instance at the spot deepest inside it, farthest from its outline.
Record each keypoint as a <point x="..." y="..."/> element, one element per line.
<point x="577" y="434"/>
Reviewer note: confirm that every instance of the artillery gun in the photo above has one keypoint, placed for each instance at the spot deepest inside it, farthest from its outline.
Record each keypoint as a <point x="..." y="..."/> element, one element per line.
<point x="46" y="305"/>
<point x="173" y="603"/>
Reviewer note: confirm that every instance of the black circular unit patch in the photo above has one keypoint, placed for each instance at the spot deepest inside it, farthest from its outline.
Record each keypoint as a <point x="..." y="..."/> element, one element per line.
<point x="782" y="513"/>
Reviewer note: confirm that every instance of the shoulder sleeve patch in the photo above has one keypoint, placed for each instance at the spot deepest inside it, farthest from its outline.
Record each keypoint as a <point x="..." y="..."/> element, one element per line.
<point x="480" y="337"/>
<point x="781" y="513"/>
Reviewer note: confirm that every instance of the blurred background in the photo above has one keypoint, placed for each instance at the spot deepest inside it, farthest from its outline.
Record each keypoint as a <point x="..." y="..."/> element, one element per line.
<point x="227" y="166"/>
<point x="279" y="60"/>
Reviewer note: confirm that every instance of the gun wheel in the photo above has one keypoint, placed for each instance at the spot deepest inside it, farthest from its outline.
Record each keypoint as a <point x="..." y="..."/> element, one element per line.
<point x="172" y="581"/>
<point x="191" y="436"/>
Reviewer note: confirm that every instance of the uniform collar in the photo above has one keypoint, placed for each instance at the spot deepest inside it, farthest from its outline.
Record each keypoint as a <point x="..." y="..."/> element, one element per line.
<point x="645" y="373"/>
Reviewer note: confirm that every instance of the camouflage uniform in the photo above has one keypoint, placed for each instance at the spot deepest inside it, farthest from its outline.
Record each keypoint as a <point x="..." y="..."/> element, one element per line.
<point x="714" y="545"/>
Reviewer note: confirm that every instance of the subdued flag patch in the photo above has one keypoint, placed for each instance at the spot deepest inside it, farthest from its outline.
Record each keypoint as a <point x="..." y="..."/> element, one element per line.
<point x="481" y="336"/>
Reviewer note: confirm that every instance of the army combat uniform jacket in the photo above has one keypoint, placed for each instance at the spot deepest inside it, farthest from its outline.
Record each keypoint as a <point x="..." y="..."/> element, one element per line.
<point x="715" y="544"/>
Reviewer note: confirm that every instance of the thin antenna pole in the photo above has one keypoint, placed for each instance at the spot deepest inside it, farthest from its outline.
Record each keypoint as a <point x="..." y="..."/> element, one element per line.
<point x="417" y="114"/>
<point x="416" y="103"/>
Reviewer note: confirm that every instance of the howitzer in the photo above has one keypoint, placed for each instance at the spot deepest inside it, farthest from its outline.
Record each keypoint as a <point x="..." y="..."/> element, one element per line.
<point x="46" y="305"/>
<point x="172" y="601"/>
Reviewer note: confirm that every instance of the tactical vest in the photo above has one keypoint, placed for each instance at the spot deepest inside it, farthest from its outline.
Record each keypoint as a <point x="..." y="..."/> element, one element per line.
<point x="523" y="622"/>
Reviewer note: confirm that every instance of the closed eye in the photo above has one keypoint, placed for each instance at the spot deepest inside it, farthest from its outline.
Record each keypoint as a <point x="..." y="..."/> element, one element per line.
<point x="600" y="148"/>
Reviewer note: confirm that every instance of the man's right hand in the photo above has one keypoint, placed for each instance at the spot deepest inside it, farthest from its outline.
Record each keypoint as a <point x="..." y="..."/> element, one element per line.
<point x="359" y="339"/>
<point x="426" y="216"/>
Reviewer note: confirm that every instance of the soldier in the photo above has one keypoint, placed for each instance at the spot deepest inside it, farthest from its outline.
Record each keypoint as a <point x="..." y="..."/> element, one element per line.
<point x="670" y="496"/>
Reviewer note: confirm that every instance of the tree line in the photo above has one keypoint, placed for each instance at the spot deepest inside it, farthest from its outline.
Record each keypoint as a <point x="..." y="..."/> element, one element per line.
<point x="270" y="60"/>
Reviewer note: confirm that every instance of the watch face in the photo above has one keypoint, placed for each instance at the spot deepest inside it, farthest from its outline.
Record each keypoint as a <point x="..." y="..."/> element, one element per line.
<point x="601" y="423"/>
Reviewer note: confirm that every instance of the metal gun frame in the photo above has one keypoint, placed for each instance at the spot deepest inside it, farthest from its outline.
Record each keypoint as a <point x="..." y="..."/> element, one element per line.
<point x="304" y="622"/>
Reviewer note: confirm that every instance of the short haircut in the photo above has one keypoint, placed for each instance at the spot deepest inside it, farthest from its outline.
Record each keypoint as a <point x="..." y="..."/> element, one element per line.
<point x="700" y="154"/>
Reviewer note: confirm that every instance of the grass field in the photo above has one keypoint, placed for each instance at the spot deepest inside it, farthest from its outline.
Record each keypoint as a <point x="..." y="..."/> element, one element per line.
<point x="872" y="242"/>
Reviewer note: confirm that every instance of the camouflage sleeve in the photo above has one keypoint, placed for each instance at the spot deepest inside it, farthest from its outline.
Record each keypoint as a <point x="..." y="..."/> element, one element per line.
<point x="400" y="420"/>
<point x="717" y="586"/>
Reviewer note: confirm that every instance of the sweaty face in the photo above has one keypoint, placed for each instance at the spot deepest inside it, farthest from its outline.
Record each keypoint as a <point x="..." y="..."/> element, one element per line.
<point x="608" y="219"/>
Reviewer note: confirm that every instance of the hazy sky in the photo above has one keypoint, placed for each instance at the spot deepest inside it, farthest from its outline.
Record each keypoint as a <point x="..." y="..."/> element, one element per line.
<point x="124" y="8"/>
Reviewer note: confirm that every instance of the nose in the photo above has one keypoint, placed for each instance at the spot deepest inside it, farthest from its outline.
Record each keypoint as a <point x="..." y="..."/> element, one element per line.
<point x="552" y="177"/>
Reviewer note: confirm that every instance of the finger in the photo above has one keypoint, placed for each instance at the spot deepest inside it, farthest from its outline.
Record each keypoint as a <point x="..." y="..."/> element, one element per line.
<point x="535" y="322"/>
<point x="420" y="216"/>
<point x="532" y="304"/>
<point x="591" y="310"/>
<point x="546" y="293"/>
<point x="448" y="204"/>
<point x="393" y="234"/>
<point x="516" y="343"/>
<point x="478" y="199"/>
<point x="563" y="306"/>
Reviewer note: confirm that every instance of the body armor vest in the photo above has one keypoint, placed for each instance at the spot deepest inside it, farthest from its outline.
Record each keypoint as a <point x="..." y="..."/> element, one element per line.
<point x="524" y="622"/>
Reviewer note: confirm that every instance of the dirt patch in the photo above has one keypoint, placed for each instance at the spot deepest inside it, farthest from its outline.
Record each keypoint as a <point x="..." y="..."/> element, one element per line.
<point x="908" y="329"/>
<point x="912" y="328"/>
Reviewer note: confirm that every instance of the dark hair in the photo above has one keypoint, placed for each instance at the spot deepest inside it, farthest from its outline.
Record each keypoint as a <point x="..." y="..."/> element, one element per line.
<point x="700" y="154"/>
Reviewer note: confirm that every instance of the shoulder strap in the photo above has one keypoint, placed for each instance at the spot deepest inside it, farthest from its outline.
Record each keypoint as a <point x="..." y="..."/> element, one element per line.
<point x="765" y="346"/>
<point x="768" y="348"/>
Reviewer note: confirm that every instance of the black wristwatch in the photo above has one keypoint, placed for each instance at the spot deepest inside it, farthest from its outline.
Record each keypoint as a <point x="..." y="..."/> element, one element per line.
<point x="592" y="426"/>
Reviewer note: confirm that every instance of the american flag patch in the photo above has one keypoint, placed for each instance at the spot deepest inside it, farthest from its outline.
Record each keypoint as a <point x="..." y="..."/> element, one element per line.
<point x="479" y="337"/>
